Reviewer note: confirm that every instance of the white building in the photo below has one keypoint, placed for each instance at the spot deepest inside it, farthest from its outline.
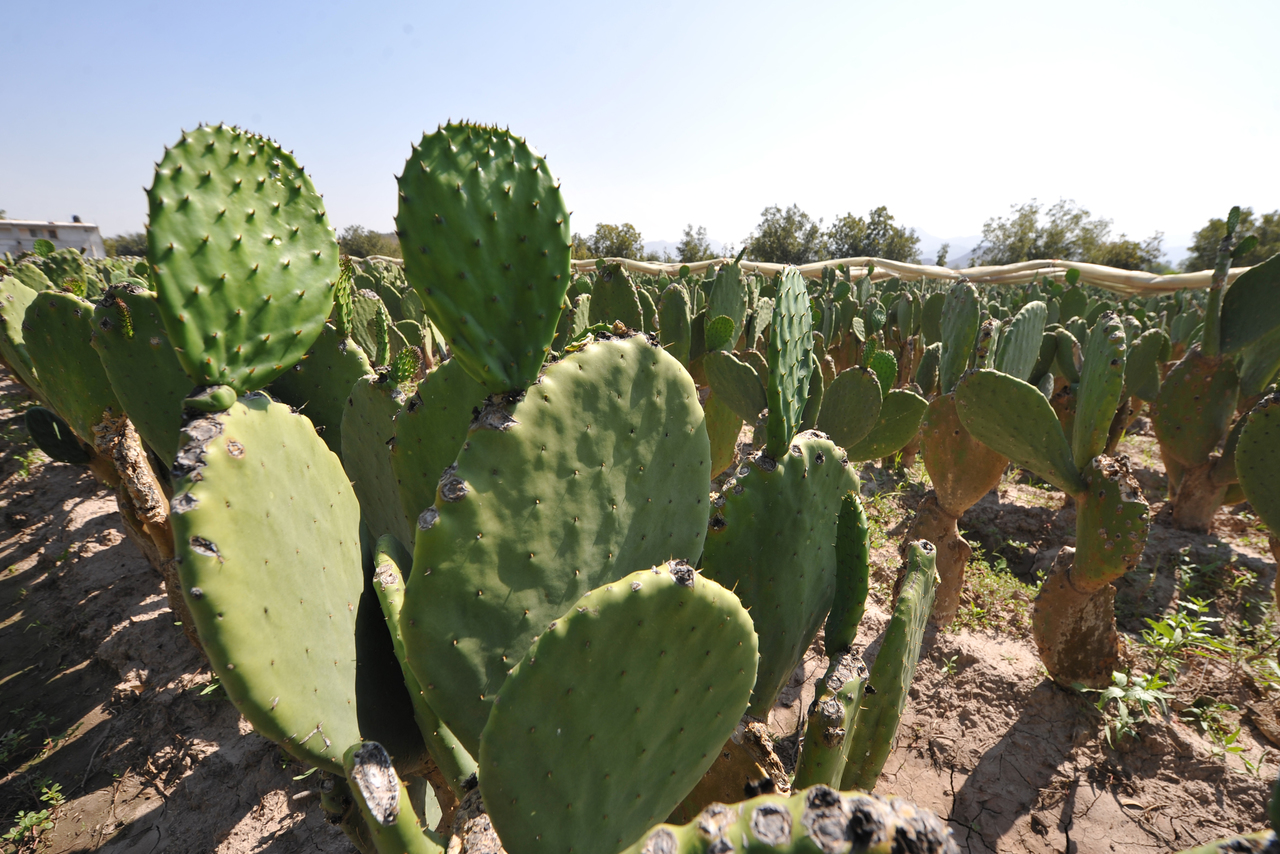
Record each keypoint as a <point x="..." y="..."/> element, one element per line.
<point x="18" y="235"/>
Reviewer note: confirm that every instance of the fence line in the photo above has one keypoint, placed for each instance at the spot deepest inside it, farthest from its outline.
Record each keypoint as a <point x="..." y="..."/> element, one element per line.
<point x="1124" y="282"/>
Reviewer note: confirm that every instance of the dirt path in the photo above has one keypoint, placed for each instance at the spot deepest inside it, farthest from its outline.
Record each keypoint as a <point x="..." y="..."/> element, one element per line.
<point x="101" y="694"/>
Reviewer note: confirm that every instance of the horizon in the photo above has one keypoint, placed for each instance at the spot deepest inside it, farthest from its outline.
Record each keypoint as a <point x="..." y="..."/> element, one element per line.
<point x="905" y="107"/>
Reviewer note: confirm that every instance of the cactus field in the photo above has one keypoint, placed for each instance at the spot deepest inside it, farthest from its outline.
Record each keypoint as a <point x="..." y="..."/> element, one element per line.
<point x="491" y="550"/>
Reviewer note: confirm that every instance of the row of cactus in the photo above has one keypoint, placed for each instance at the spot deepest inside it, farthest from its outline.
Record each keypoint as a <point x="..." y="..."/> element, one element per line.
<point x="424" y="522"/>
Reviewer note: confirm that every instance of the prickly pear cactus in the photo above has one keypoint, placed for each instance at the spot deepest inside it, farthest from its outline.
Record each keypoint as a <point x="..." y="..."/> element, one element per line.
<point x="1193" y="410"/>
<point x="1013" y="419"/>
<point x="829" y="721"/>
<point x="601" y="466"/>
<point x="1020" y="341"/>
<point x="895" y="666"/>
<point x="270" y="558"/>
<point x="14" y="299"/>
<point x="790" y="362"/>
<point x="242" y="256"/>
<point x="384" y="802"/>
<point x="1112" y="524"/>
<point x="1101" y="383"/>
<point x="735" y="383"/>
<point x="368" y="433"/>
<point x="853" y="569"/>
<point x="771" y="540"/>
<point x="851" y="406"/>
<point x="320" y="384"/>
<point x="486" y="244"/>
<point x="58" y="328"/>
<point x="144" y="370"/>
<point x="429" y="432"/>
<point x="1258" y="460"/>
<point x="657" y="665"/>
<point x="814" y="819"/>
<point x="897" y="424"/>
<point x="960" y="319"/>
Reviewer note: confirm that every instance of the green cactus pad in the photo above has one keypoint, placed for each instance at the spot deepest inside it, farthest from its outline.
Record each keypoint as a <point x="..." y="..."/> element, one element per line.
<point x="616" y="711"/>
<point x="1073" y="303"/>
<point x="30" y="275"/>
<point x="320" y="383"/>
<point x="1251" y="306"/>
<point x="927" y="370"/>
<point x="723" y="428"/>
<point x="1020" y="341"/>
<point x="144" y="371"/>
<point x="895" y="666"/>
<point x="368" y="432"/>
<point x="1260" y="365"/>
<point x="384" y="802"/>
<point x="736" y="384"/>
<point x="896" y="425"/>
<point x="243" y="258"/>
<point x="1068" y="348"/>
<point x="830" y="719"/>
<point x="269" y="553"/>
<point x="1258" y="460"/>
<point x="1046" y="360"/>
<point x="931" y="319"/>
<point x="53" y="436"/>
<point x="1193" y="411"/>
<point x="817" y="819"/>
<point x="1142" y="367"/>
<point x="853" y="568"/>
<point x="675" y="316"/>
<point x="391" y="563"/>
<point x="614" y="298"/>
<point x="790" y="348"/>
<point x="728" y="298"/>
<point x="885" y="367"/>
<point x="772" y="540"/>
<point x="1012" y="418"/>
<point x="14" y="299"/>
<point x="1112" y="521"/>
<point x="851" y="406"/>
<point x="485" y="235"/>
<point x="962" y="468"/>
<point x="429" y="433"/>
<point x="1101" y="384"/>
<point x="57" y="329"/>
<point x="719" y="333"/>
<point x="603" y="466"/>
<point x="368" y="314"/>
<point x="960" y="318"/>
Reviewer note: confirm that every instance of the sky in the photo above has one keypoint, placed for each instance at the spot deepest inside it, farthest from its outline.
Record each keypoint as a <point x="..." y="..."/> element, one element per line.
<point x="1156" y="115"/>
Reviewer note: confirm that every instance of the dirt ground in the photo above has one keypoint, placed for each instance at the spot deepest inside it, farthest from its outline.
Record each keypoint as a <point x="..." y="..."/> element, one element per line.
<point x="102" y="695"/>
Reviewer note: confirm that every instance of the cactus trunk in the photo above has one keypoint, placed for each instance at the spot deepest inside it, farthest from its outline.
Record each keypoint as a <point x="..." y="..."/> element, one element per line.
<point x="937" y="526"/>
<point x="1075" y="632"/>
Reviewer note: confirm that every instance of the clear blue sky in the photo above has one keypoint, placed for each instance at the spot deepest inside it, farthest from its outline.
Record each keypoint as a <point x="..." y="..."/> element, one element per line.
<point x="1157" y="115"/>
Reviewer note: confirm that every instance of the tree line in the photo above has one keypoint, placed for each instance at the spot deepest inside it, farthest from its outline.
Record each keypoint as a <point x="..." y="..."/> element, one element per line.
<point x="1030" y="232"/>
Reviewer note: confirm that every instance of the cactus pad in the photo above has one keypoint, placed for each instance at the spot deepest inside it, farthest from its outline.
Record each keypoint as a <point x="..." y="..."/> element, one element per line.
<point x="616" y="711"/>
<point x="242" y="255"/>
<point x="960" y="318"/>
<point x="1111" y="524"/>
<point x="1258" y="460"/>
<point x="962" y="468"/>
<point x="1142" y="367"/>
<point x="896" y="425"/>
<point x="384" y="802"/>
<point x="1191" y="414"/>
<point x="736" y="383"/>
<point x="320" y="383"/>
<point x="1101" y="383"/>
<point x="1020" y="341"/>
<point x="58" y="328"/>
<point x="1012" y="418"/>
<point x="895" y="666"/>
<point x="851" y="406"/>
<point x="269" y="553"/>
<point x="723" y="429"/>
<point x="1251" y="306"/>
<point x="429" y="432"/>
<point x="485" y="235"/>
<point x="772" y="540"/>
<point x="14" y="299"/>
<point x="368" y="433"/>
<point x="144" y="371"/>
<point x="853" y="571"/>
<point x="602" y="466"/>
<point x="790" y="362"/>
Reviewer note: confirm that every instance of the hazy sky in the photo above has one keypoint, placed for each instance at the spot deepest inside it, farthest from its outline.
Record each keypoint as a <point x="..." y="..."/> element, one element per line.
<point x="1157" y="115"/>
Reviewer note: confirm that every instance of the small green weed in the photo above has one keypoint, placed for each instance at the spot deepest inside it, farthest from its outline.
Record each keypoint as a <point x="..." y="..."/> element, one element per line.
<point x="1182" y="632"/>
<point x="994" y="598"/>
<point x="1134" y="697"/>
<point x="31" y="825"/>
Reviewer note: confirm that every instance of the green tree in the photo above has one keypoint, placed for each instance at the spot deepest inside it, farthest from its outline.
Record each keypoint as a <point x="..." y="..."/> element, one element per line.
<point x="616" y="241"/>
<point x="133" y="243"/>
<point x="1204" y="246"/>
<point x="874" y="237"/>
<point x="785" y="237"/>
<point x="1066" y="231"/>
<point x="694" y="246"/>
<point x="581" y="248"/>
<point x="941" y="260"/>
<point x="360" y="242"/>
